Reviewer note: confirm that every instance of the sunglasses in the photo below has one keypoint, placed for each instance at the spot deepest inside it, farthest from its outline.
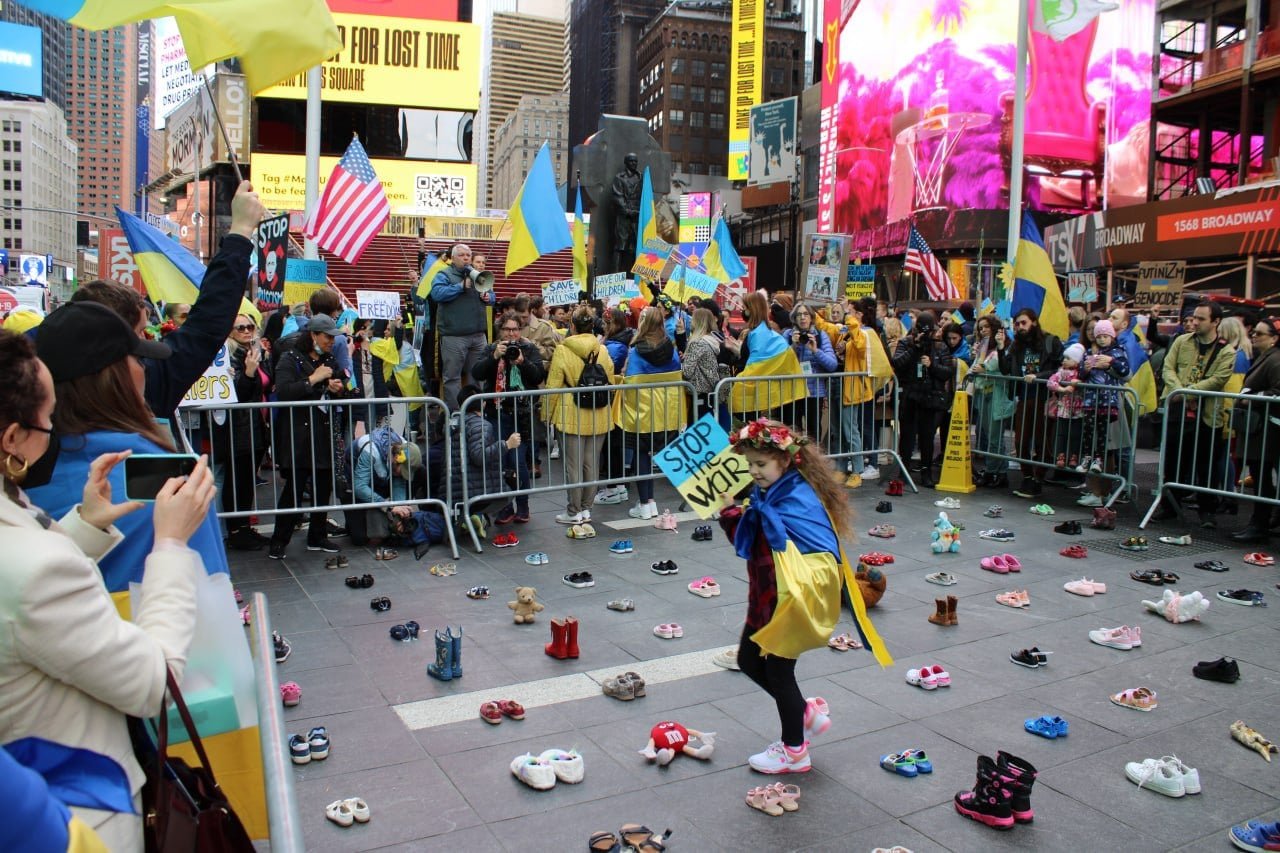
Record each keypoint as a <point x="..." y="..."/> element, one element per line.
<point x="245" y="327"/>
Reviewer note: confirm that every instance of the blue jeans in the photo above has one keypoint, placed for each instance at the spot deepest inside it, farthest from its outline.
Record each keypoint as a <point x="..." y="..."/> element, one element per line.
<point x="515" y="460"/>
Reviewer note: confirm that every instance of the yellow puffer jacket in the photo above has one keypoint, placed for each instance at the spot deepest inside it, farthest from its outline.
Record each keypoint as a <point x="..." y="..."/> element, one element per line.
<point x="562" y="410"/>
<point x="857" y="389"/>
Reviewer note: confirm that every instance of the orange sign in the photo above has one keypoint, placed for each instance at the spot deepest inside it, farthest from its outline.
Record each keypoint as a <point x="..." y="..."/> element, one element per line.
<point x="1239" y="219"/>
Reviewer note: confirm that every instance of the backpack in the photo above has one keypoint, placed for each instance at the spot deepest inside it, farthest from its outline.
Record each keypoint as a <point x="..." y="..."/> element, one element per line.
<point x="594" y="378"/>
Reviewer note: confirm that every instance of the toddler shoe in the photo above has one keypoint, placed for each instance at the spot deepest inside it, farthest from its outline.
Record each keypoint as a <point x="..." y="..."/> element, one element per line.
<point x="534" y="771"/>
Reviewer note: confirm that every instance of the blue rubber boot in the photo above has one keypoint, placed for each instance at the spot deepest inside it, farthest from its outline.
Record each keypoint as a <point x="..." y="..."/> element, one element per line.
<point x="443" y="667"/>
<point x="456" y="643"/>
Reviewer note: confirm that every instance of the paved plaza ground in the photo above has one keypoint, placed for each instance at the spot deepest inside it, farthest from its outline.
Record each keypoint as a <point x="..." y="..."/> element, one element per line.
<point x="436" y="776"/>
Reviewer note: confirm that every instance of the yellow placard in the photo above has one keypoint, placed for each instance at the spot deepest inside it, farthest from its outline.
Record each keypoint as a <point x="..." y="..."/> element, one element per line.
<point x="725" y="474"/>
<point x="403" y="62"/>
<point x="411" y="186"/>
<point x="746" y="78"/>
<point x="295" y="292"/>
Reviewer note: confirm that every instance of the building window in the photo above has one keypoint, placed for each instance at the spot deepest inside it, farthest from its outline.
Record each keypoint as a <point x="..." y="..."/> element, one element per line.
<point x="715" y="170"/>
<point x="677" y="92"/>
<point x="718" y="70"/>
<point x="717" y="121"/>
<point x="698" y="94"/>
<point x="677" y="117"/>
<point x="677" y="66"/>
<point x="697" y="118"/>
<point x="699" y="68"/>
<point x="776" y="76"/>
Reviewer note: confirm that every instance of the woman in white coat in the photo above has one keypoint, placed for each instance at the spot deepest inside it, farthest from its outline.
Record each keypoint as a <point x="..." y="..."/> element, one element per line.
<point x="70" y="668"/>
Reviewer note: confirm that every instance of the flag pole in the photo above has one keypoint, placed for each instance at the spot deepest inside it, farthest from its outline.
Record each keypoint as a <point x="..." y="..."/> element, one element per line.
<point x="310" y="250"/>
<point x="1019" y="130"/>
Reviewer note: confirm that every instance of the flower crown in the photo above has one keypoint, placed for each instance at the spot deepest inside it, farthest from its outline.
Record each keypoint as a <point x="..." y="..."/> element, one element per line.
<point x="760" y="435"/>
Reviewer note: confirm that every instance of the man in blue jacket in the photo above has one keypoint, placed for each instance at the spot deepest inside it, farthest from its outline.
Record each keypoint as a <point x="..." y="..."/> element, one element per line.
<point x="460" y="321"/>
<point x="197" y="341"/>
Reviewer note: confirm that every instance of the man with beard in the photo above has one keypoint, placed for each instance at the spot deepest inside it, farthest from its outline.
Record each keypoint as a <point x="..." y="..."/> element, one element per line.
<point x="1035" y="354"/>
<point x="1193" y="446"/>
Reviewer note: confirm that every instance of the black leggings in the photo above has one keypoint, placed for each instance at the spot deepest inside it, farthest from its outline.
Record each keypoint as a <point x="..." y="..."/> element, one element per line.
<point x="296" y="480"/>
<point x="778" y="678"/>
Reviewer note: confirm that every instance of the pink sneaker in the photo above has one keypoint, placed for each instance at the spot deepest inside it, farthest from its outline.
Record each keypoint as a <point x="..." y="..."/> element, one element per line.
<point x="1133" y="635"/>
<point x="817" y="716"/>
<point x="666" y="521"/>
<point x="290" y="693"/>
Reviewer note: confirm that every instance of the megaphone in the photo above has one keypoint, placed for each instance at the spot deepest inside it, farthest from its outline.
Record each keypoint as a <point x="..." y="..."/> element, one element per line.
<point x="482" y="280"/>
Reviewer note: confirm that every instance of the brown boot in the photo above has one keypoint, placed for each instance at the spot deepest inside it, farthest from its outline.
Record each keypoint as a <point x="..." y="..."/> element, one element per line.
<point x="951" y="610"/>
<point x="939" y="618"/>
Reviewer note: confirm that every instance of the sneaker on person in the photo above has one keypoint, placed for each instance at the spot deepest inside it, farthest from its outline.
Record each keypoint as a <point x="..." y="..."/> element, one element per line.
<point x="1089" y="499"/>
<point x="778" y="758"/>
<point x="645" y="510"/>
<point x="870" y="472"/>
<point x="555" y="451"/>
<point x="571" y="517"/>
<point x="612" y="495"/>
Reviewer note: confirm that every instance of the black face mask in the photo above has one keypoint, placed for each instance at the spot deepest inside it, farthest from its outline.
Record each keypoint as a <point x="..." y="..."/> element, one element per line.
<point x="40" y="472"/>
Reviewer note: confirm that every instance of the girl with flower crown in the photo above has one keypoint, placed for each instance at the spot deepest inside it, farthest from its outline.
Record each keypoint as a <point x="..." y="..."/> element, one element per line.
<point x="788" y="532"/>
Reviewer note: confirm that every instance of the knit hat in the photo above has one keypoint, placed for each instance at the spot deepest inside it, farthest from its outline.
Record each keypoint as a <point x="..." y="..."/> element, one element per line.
<point x="1075" y="352"/>
<point x="1104" y="327"/>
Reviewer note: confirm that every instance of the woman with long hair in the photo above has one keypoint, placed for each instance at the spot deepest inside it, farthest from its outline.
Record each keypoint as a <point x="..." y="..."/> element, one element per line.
<point x="763" y="353"/>
<point x="72" y="670"/>
<point x="701" y="367"/>
<point x="240" y="440"/>
<point x="812" y="347"/>
<point x="650" y="416"/>
<point x="992" y="406"/>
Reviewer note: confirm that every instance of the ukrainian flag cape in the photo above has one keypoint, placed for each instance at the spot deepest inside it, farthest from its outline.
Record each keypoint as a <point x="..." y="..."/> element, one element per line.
<point x="406" y="375"/>
<point x="650" y="410"/>
<point x="1141" y="377"/>
<point x="809" y="568"/>
<point x="768" y="355"/>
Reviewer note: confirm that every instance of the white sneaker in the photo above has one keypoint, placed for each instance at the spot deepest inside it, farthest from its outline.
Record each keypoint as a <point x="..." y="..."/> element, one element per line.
<point x="727" y="659"/>
<point x="1190" y="775"/>
<point x="1083" y="467"/>
<point x="569" y="518"/>
<point x="555" y="451"/>
<point x="777" y="759"/>
<point x="1095" y="467"/>
<point x="871" y="473"/>
<point x="615" y="495"/>
<point x="644" y="510"/>
<point x="535" y="772"/>
<point x="1089" y="500"/>
<point x="567" y="766"/>
<point x="1156" y="774"/>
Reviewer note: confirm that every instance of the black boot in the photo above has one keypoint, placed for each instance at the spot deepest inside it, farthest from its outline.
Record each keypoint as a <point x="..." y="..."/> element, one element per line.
<point x="1018" y="775"/>
<point x="989" y="801"/>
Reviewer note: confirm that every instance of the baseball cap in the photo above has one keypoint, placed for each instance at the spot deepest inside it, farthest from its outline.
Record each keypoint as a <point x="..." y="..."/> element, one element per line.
<point x="82" y="338"/>
<point x="323" y="323"/>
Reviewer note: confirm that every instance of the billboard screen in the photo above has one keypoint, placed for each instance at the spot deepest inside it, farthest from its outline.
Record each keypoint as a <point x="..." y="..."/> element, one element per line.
<point x="773" y="142"/>
<point x="924" y="91"/>
<point x="412" y="188"/>
<point x="21" y="60"/>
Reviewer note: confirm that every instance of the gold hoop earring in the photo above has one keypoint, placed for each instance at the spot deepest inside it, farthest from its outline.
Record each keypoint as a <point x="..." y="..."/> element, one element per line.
<point x="18" y="474"/>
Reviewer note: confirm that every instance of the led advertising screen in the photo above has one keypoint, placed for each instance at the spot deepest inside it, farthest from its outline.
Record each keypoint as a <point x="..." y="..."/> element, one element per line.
<point x="21" y="60"/>
<point x="924" y="99"/>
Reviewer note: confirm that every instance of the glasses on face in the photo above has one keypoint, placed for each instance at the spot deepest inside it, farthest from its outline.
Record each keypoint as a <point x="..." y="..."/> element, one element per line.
<point x="244" y="327"/>
<point x="511" y="329"/>
<point x="1263" y="331"/>
<point x="45" y="430"/>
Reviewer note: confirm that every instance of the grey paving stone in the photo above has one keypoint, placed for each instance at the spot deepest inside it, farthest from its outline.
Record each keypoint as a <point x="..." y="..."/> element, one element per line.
<point x="359" y="740"/>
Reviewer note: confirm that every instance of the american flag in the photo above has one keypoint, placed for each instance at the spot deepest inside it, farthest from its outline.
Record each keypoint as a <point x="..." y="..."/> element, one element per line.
<point x="352" y="209"/>
<point x="921" y="259"/>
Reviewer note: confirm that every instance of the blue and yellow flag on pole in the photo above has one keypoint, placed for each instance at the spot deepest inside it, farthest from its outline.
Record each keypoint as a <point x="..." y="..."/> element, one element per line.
<point x="647" y="222"/>
<point x="722" y="259"/>
<point x="274" y="39"/>
<point x="537" y="217"/>
<point x="430" y="267"/>
<point x="579" y="242"/>
<point x="1035" y="285"/>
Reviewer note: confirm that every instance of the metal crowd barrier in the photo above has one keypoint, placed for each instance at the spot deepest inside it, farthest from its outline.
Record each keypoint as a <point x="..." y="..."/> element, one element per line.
<point x="306" y="479"/>
<point x="1064" y="444"/>
<point x="1199" y="456"/>
<point x="825" y="418"/>
<point x="488" y="475"/>
<point x="283" y="822"/>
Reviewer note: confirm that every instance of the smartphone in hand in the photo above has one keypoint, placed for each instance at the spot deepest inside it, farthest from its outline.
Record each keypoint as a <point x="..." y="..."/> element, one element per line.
<point x="146" y="473"/>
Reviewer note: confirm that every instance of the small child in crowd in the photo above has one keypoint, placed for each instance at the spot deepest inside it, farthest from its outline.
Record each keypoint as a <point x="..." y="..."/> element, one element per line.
<point x="1067" y="407"/>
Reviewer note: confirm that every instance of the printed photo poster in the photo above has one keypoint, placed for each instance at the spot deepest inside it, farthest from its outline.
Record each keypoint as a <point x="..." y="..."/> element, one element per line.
<point x="271" y="242"/>
<point x="826" y="270"/>
<point x="773" y="142"/>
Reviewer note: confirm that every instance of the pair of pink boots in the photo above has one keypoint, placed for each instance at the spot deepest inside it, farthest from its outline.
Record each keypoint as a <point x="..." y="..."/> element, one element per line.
<point x="1001" y="564"/>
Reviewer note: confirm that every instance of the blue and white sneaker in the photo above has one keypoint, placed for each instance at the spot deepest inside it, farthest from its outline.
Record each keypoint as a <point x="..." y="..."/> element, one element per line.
<point x="622" y="546"/>
<point x="299" y="749"/>
<point x="318" y="742"/>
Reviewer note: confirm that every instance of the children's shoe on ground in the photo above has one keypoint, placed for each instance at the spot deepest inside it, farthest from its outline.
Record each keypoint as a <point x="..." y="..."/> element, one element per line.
<point x="1255" y="836"/>
<point x="941" y="578"/>
<point x="727" y="659"/>
<point x="1225" y="670"/>
<point x="997" y="535"/>
<point x="622" y="546"/>
<point x="1157" y="775"/>
<point x="1030" y="658"/>
<point x="1048" y="727"/>
<point x="534" y="771"/>
<point x="777" y="759"/>
<point x="283" y="649"/>
<point x="1114" y="638"/>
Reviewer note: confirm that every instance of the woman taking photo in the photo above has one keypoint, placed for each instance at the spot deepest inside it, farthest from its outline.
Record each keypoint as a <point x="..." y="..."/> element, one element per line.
<point x="71" y="670"/>
<point x="992" y="406"/>
<point x="240" y="441"/>
<point x="812" y="348"/>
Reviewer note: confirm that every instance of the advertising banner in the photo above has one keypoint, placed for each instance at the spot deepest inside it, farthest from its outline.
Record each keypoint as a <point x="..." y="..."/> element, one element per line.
<point x="271" y="240"/>
<point x="830" y="112"/>
<point x="827" y="267"/>
<point x="702" y="467"/>
<point x="21" y="60"/>
<point x="34" y="269"/>
<point x="174" y="80"/>
<point x="142" y="114"/>
<point x="411" y="187"/>
<point x="193" y="137"/>
<point x="406" y="62"/>
<point x="115" y="260"/>
<point x="1159" y="287"/>
<point x="773" y="142"/>
<point x="746" y="78"/>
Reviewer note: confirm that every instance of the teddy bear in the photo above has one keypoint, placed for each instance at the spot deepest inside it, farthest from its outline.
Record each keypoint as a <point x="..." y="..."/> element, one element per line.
<point x="525" y="606"/>
<point x="1179" y="608"/>
<point x="668" y="738"/>
<point x="871" y="583"/>
<point x="945" y="536"/>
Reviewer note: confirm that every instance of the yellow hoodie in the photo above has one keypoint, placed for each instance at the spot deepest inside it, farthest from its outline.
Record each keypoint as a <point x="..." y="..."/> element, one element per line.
<point x="562" y="410"/>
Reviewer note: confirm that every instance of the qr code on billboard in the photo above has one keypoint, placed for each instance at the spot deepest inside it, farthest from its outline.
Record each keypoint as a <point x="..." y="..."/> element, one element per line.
<point x="441" y="192"/>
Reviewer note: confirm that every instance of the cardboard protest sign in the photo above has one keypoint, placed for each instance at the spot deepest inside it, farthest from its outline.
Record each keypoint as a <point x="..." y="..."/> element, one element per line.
<point x="1082" y="287"/>
<point x="695" y="280"/>
<point x="271" y="241"/>
<point x="861" y="281"/>
<point x="653" y="258"/>
<point x="562" y="292"/>
<point x="216" y="384"/>
<point x="702" y="467"/>
<point x="615" y="285"/>
<point x="1160" y="286"/>
<point x="826" y="271"/>
<point x="377" y="305"/>
<point x="303" y="278"/>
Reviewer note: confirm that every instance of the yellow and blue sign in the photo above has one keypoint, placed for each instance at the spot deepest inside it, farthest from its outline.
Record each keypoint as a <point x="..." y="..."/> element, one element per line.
<point x="702" y="466"/>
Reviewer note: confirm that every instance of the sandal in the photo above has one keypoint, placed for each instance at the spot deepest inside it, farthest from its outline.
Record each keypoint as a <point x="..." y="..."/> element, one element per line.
<point x="765" y="800"/>
<point x="642" y="838"/>
<point x="511" y="708"/>
<point x="1137" y="698"/>
<point x="621" y="604"/>
<point x="787" y="795"/>
<point x="490" y="714"/>
<point x="899" y="764"/>
<point x="340" y="813"/>
<point x="479" y="592"/>
<point x="619" y="687"/>
<point x="1213" y="566"/>
<point x="444" y="570"/>
<point x="1135" y="543"/>
<point x="844" y="642"/>
<point x="581" y="531"/>
<point x="1050" y="727"/>
<point x="1152" y="576"/>
<point x="883" y="531"/>
<point x="386" y="554"/>
<point x="1258" y="558"/>
<point x="604" y="842"/>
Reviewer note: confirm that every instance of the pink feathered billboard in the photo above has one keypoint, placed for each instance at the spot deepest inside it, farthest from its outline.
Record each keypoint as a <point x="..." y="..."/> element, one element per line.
<point x="923" y="98"/>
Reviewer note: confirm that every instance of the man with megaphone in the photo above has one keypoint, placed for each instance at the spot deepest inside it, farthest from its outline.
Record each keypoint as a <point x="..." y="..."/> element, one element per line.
<point x="461" y="292"/>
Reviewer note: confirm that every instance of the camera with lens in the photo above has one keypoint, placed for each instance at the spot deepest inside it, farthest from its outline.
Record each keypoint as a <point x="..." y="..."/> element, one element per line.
<point x="803" y="338"/>
<point x="511" y="353"/>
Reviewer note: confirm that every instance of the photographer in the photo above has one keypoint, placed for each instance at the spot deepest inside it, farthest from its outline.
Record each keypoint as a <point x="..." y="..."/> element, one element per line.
<point x="816" y="356"/>
<point x="460" y="320"/>
<point x="926" y="371"/>
<point x="513" y="364"/>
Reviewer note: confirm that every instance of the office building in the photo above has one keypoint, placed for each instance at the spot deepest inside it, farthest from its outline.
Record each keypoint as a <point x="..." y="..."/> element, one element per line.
<point x="100" y="118"/>
<point x="536" y="118"/>
<point x="37" y="170"/>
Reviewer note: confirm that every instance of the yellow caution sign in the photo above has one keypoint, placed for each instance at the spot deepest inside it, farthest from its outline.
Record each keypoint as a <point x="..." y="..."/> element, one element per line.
<point x="957" y="466"/>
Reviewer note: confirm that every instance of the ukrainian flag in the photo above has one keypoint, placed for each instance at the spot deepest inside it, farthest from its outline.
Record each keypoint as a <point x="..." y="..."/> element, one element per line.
<point x="650" y="410"/>
<point x="537" y="217"/>
<point x="1142" y="378"/>
<point x="1035" y="285"/>
<point x="170" y="272"/>
<point x="722" y="259"/>
<point x="647" y="223"/>
<point x="430" y="267"/>
<point x="405" y="374"/>
<point x="579" y="242"/>
<point x="274" y="39"/>
<point x="769" y="355"/>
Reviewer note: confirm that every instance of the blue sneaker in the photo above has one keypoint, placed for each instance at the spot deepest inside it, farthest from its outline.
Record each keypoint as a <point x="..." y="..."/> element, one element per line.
<point x="919" y="760"/>
<point x="318" y="743"/>
<point x="622" y="546"/>
<point x="299" y="749"/>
